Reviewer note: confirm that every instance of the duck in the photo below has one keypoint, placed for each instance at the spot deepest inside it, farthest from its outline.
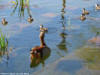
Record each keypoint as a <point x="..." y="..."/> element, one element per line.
<point x="83" y="17"/>
<point x="43" y="29"/>
<point x="38" y="49"/>
<point x="4" y="22"/>
<point x="95" y="39"/>
<point x="97" y="6"/>
<point x="84" y="11"/>
<point x="39" y="54"/>
<point x="30" y="19"/>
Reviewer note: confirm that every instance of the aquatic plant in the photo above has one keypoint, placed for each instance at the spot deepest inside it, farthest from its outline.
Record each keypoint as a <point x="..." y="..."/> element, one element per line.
<point x="3" y="46"/>
<point x="21" y="5"/>
<point x="3" y="41"/>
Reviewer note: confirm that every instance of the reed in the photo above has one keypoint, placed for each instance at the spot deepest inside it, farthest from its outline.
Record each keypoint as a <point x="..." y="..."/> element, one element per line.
<point x="21" y="6"/>
<point x="3" y="41"/>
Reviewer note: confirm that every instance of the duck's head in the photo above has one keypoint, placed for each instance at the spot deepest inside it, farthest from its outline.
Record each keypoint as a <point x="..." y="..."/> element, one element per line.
<point x="3" y="20"/>
<point x="30" y="16"/>
<point x="33" y="51"/>
<point x="41" y="26"/>
<point x="36" y="49"/>
<point x="96" y="5"/>
<point x="83" y="8"/>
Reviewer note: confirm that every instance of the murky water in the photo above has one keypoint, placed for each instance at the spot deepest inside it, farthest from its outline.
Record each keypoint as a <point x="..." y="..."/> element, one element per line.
<point x="66" y="35"/>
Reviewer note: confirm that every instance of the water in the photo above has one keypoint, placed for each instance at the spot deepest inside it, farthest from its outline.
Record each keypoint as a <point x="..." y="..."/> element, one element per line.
<point x="66" y="33"/>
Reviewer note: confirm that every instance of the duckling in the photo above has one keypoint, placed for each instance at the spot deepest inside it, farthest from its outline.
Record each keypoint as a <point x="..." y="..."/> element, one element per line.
<point x="97" y="6"/>
<point x="84" y="11"/>
<point x="83" y="17"/>
<point x="95" y="39"/>
<point x="4" y="22"/>
<point x="30" y="19"/>
<point x="43" y="29"/>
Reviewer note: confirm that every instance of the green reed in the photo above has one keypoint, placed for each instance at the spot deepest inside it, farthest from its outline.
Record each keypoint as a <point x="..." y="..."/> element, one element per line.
<point x="21" y="5"/>
<point x="3" y="41"/>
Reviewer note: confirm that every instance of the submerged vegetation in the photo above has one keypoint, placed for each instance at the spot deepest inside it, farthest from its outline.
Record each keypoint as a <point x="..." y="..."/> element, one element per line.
<point x="91" y="56"/>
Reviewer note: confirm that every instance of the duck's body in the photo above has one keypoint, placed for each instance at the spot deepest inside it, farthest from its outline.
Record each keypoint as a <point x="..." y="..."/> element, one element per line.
<point x="84" y="11"/>
<point x="40" y="56"/>
<point x="82" y="17"/>
<point x="4" y="22"/>
<point x="30" y="19"/>
<point x="97" y="7"/>
<point x="43" y="29"/>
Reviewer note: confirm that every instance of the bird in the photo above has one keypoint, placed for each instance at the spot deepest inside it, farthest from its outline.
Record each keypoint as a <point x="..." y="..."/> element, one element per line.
<point x="4" y="22"/>
<point x="95" y="39"/>
<point x="30" y="19"/>
<point x="82" y="17"/>
<point x="38" y="49"/>
<point x="39" y="54"/>
<point x="43" y="29"/>
<point x="97" y="6"/>
<point x="84" y="11"/>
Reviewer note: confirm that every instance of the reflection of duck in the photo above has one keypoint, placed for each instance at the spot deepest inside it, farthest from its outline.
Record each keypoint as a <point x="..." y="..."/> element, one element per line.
<point x="39" y="53"/>
<point x="97" y="6"/>
<point x="30" y="19"/>
<point x="83" y="17"/>
<point x="43" y="29"/>
<point x="4" y="22"/>
<point x="84" y="11"/>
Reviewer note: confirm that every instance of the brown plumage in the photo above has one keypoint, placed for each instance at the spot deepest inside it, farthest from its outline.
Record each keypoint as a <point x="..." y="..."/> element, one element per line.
<point x="97" y="6"/>
<point x="82" y="17"/>
<point x="4" y="22"/>
<point x="30" y="19"/>
<point x="84" y="11"/>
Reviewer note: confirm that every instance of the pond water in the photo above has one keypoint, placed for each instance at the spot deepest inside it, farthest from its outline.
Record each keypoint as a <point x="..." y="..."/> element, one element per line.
<point x="66" y="32"/>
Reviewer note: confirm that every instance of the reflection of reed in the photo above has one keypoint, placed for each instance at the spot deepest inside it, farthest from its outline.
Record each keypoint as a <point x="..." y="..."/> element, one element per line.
<point x="63" y="18"/>
<point x="62" y="44"/>
<point x="39" y="53"/>
<point x="4" y="48"/>
<point x="21" y="5"/>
